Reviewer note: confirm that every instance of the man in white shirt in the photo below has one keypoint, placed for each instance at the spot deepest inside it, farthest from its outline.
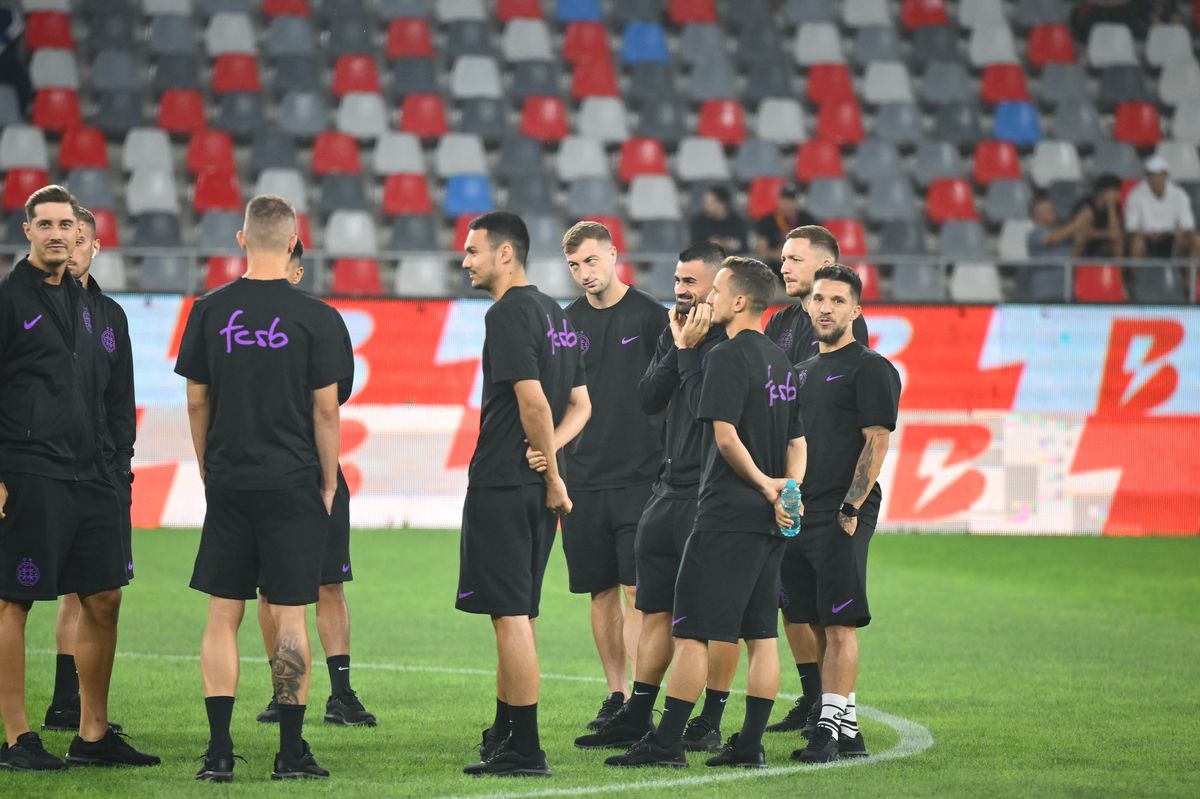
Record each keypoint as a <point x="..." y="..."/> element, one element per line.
<point x="1158" y="215"/>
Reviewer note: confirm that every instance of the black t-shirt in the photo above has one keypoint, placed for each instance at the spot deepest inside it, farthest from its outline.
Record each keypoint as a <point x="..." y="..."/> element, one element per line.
<point x="58" y="299"/>
<point x="527" y="336"/>
<point x="749" y="383"/>
<point x="792" y="329"/>
<point x="842" y="392"/>
<point x="621" y="445"/>
<point x="262" y="347"/>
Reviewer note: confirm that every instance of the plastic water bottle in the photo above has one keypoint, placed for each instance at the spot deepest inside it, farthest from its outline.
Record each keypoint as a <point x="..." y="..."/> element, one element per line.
<point x="790" y="497"/>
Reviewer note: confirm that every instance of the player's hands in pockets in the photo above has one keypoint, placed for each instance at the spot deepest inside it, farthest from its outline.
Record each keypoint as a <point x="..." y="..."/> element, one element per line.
<point x="3" y="499"/>
<point x="848" y="523"/>
<point x="556" y="496"/>
<point x="327" y="498"/>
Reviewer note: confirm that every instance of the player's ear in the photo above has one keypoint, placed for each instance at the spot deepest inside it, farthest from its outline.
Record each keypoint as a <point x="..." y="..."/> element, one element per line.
<point x="241" y="239"/>
<point x="291" y="246"/>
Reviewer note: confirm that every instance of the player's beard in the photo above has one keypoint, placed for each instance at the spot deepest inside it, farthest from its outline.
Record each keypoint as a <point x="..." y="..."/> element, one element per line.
<point x="833" y="336"/>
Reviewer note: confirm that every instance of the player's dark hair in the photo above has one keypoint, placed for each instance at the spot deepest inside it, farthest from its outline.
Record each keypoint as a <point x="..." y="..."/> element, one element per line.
<point x="753" y="279"/>
<point x="87" y="218"/>
<point x="298" y="251"/>
<point x="842" y="274"/>
<point x="50" y="194"/>
<point x="711" y="253"/>
<point x="502" y="226"/>
<point x="722" y="195"/>
<point x="580" y="232"/>
<point x="818" y="237"/>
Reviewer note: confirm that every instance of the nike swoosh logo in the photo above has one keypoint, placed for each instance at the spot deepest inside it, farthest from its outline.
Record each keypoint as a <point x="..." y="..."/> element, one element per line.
<point x="724" y="700"/>
<point x="833" y="377"/>
<point x="641" y="693"/>
<point x="676" y="621"/>
<point x="29" y="325"/>
<point x="343" y="668"/>
<point x="345" y="568"/>
<point x="465" y="594"/>
<point x="627" y="340"/>
<point x="843" y="606"/>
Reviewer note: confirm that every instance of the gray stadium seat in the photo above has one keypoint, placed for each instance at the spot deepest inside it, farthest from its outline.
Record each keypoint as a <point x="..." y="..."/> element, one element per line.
<point x="351" y="233"/>
<point x="208" y="8"/>
<point x="475" y="76"/>
<point x="545" y="233"/>
<point x="467" y="37"/>
<point x="116" y="70"/>
<point x="802" y="12"/>
<point x="758" y="159"/>
<point x="336" y="192"/>
<point x="414" y="233"/>
<point x="298" y="73"/>
<point x="591" y="197"/>
<point x="935" y="43"/>
<point x="1065" y="195"/>
<point x="876" y="44"/>
<point x="176" y="7"/>
<point x="157" y="230"/>
<point x="1078" y="123"/>
<point x="287" y="183"/>
<point x="23" y="145"/>
<point x="229" y="33"/>
<point x="328" y="11"/>
<point x="866" y="13"/>
<point x="652" y="197"/>
<point x="580" y="157"/>
<point x="484" y="117"/>
<point x="363" y="115"/>
<point x="240" y="114"/>
<point x="350" y="37"/>
<point x="1182" y="160"/>
<point x="303" y="114"/>
<point x="151" y="190"/>
<point x="53" y="68"/>
<point x="108" y="267"/>
<point x="975" y="282"/>
<point x="767" y="78"/>
<point x="550" y="274"/>
<point x="603" y="118"/>
<point x="1117" y="157"/>
<point x="166" y="274"/>
<point x="398" y="153"/>
<point x="937" y="159"/>
<point x="962" y="238"/>
<point x="519" y="156"/>
<point x="421" y="277"/>
<point x="818" y="43"/>
<point x="991" y="44"/>
<point x="288" y="35"/>
<point x="395" y="9"/>
<point x="663" y="235"/>
<point x="1061" y="83"/>
<point x="455" y="10"/>
<point x="1179" y="83"/>
<point x="147" y="148"/>
<point x="875" y="159"/>
<point x="526" y="40"/>
<point x="176" y="71"/>
<point x="651" y="81"/>
<point x="459" y="154"/>
<point x="901" y="237"/>
<point x="918" y="283"/>
<point x="111" y="30"/>
<point x="534" y="79"/>
<point x="831" y="199"/>
<point x="1039" y="12"/>
<point x="701" y="158"/>
<point x="217" y="231"/>
<point x="1123" y="84"/>
<point x="1007" y="199"/>
<point x="1110" y="44"/>
<point x="118" y="112"/>
<point x="1165" y="43"/>
<point x="977" y="13"/>
<point x="887" y="82"/>
<point x="534" y="194"/>
<point x="415" y="76"/>
<point x="699" y="42"/>
<point x="10" y="108"/>
<point x="172" y="35"/>
<point x="759" y="43"/>
<point x="91" y="187"/>
<point x="945" y="82"/>
<point x="1054" y="161"/>
<point x="781" y="120"/>
<point x="713" y="79"/>
<point x="664" y="120"/>
<point x="752" y="13"/>
<point x="272" y="148"/>
<point x="1159" y="286"/>
<point x="1013" y="242"/>
<point x="958" y="123"/>
<point x="899" y="123"/>
<point x="890" y="199"/>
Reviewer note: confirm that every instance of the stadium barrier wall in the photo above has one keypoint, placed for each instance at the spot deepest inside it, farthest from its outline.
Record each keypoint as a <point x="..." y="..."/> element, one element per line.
<point x="1013" y="419"/>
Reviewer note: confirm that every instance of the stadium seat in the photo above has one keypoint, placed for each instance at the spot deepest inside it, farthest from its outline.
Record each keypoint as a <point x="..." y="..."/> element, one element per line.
<point x="801" y="12"/>
<point x="240" y="113"/>
<point x="756" y="159"/>
<point x="82" y="148"/>
<point x="467" y="194"/>
<point x="652" y="197"/>
<point x="147" y="148"/>
<point x="918" y="283"/>
<point x="409" y="38"/>
<point x="850" y="235"/>
<point x="534" y="194"/>
<point x="151" y="190"/>
<point x="981" y="13"/>
<point x="875" y="159"/>
<point x="887" y="82"/>
<point x="355" y="73"/>
<point x="111" y="31"/>
<point x="1014" y="241"/>
<point x="1179" y="83"/>
<point x="230" y="33"/>
<point x="831" y="199"/>
<point x="578" y="11"/>
<point x="519" y="156"/>
<point x="54" y="69"/>
<point x="423" y="115"/>
<point x="626" y="11"/>
<point x="171" y="35"/>
<point x="356" y="277"/>
<point x="484" y="117"/>
<point x="298" y="73"/>
<point x="1039" y="12"/>
<point x="1118" y="158"/>
<point x="641" y="156"/>
<point x="991" y="44"/>
<point x="534" y="79"/>
<point x="287" y="183"/>
<point x="963" y="238"/>
<point x="817" y="43"/>
<point x="217" y="231"/>
<point x="949" y="199"/>
<point x="272" y="148"/>
<point x="594" y="78"/>
<point x="722" y="120"/>
<point x="933" y="44"/>
<point x="920" y="13"/>
<point x="416" y="76"/>
<point x="1063" y="82"/>
<point x="1007" y="199"/>
<point x="222" y="270"/>
<point x="603" y="118"/>
<point x="108" y="268"/>
<point x="781" y="120"/>
<point x="335" y="153"/>
<point x="526" y="40"/>
<point x="1100" y="284"/>
<point x="1185" y="124"/>
<point x="1065" y="195"/>
<point x="698" y="43"/>
<point x="1078" y="122"/>
<point x="580" y="157"/>
<point x="1182" y="159"/>
<point x="1166" y="43"/>
<point x="945" y="82"/>
<point x="508" y="10"/>
<point x="1055" y="161"/>
<point x="829" y="83"/>
<point x="891" y="199"/>
<point x="1158" y="286"/>
<point x="585" y="41"/>
<point x="1123" y="85"/>
<point x="840" y="121"/>
<point x="651" y="82"/>
<point x="91" y="188"/>
<point x="995" y="160"/>
<point x="217" y="190"/>
<point x="1111" y="45"/>
<point x="1138" y="124"/>
<point x="902" y="237"/>
<point x="762" y="197"/>
<point x="767" y="78"/>
<point x="682" y="12"/>
<point x="363" y="115"/>
<point x="48" y="29"/>
<point x="876" y="44"/>
<point x="116" y="70"/>
<point x="56" y="110"/>
<point x="544" y="119"/>
<point x="1017" y="123"/>
<point x="817" y="159"/>
<point x="421" y="277"/>
<point x="974" y="282"/>
<point x="899" y="123"/>
<point x="351" y="233"/>
<point x="19" y="183"/>
<point x="1050" y="44"/>
<point x="10" y="110"/>
<point x="351" y="37"/>
<point x="181" y="111"/>
<point x="414" y="233"/>
<point x="644" y="42"/>
<point x="712" y="79"/>
<point x="1003" y="83"/>
<point x="936" y="160"/>
<point x="664" y="120"/>
<point x="235" y="72"/>
<point x="475" y="76"/>
<point x="210" y="149"/>
<point x="701" y="159"/>
<point x="458" y="154"/>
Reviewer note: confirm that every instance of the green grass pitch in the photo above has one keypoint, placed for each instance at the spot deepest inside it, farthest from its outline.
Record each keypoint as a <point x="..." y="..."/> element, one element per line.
<point x="1041" y="666"/>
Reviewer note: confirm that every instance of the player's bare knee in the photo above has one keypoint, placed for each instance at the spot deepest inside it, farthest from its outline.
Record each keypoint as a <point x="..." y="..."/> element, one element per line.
<point x="14" y="611"/>
<point x="103" y="606"/>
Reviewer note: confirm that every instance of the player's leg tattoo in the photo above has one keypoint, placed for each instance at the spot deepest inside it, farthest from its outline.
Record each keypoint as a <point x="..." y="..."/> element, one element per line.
<point x="287" y="668"/>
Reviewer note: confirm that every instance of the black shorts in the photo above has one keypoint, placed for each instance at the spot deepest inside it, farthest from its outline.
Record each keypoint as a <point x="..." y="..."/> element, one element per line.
<point x="335" y="563"/>
<point x="59" y="537"/>
<point x="507" y="535"/>
<point x="273" y="540"/>
<point x="823" y="578"/>
<point x="662" y="533"/>
<point x="124" y="488"/>
<point x="598" y="537"/>
<point x="728" y="587"/>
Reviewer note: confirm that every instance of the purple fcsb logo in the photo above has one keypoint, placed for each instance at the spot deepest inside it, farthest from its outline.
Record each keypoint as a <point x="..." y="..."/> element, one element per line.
<point x="238" y="334"/>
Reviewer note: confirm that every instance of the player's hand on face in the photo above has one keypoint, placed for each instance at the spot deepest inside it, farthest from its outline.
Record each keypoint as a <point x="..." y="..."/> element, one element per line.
<point x="3" y="499"/>
<point x="693" y="331"/>
<point x="556" y="497"/>
<point x="676" y="325"/>
<point x="327" y="498"/>
<point x="848" y="523"/>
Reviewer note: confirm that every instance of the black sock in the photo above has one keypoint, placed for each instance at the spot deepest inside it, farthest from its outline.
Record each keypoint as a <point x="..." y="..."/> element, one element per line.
<point x="66" y="681"/>
<point x="676" y="713"/>
<point x="339" y="674"/>
<point x="502" y="726"/>
<point x="641" y="704"/>
<point x="758" y="713"/>
<point x="714" y="706"/>
<point x="524" y="728"/>
<point x="291" y="727"/>
<point x="810" y="681"/>
<point x="220" y="712"/>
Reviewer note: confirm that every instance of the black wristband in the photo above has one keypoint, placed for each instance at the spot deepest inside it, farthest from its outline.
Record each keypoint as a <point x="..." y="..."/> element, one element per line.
<point x="848" y="510"/>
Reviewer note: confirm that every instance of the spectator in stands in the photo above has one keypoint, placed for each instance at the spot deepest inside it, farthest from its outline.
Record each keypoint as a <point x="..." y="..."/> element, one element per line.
<point x="1097" y="218"/>
<point x="1049" y="238"/>
<point x="771" y="231"/>
<point x="13" y="69"/>
<point x="1158" y="216"/>
<point x="717" y="222"/>
<point x="1134" y="14"/>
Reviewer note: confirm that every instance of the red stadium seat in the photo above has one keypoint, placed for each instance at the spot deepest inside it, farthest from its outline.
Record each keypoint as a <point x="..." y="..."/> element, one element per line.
<point x="303" y="228"/>
<point x="1050" y="44"/>
<point x="335" y="153"/>
<point x="409" y="37"/>
<point x="235" y="72"/>
<point x="210" y="149"/>
<point x="56" y="109"/>
<point x="950" y="198"/>
<point x="850" y="235"/>
<point x="641" y="157"/>
<point x="996" y="160"/>
<point x="106" y="227"/>
<point x="919" y="13"/>
<point x="356" y="276"/>
<point x="829" y="82"/>
<point x="217" y="190"/>
<point x="355" y="73"/>
<point x="1128" y="185"/>
<point x="461" y="229"/>
<point x="762" y="198"/>
<point x="1002" y="83"/>
<point x="406" y="194"/>
<point x="585" y="41"/>
<point x="82" y="148"/>
<point x="48" y="29"/>
<point x="1138" y="124"/>
<point x="181" y="111"/>
<point x="507" y="10"/>
<point x="20" y="183"/>
<point x="626" y="273"/>
<point x="615" y="227"/>
<point x="594" y="77"/>
<point x="682" y="12"/>
<point x="222" y="270"/>
<point x="818" y="158"/>
<point x="281" y="8"/>
<point x="869" y="275"/>
<point x="544" y="119"/>
<point x="722" y="120"/>
<point x="1099" y="284"/>
<point x="840" y="121"/>
<point x="423" y="115"/>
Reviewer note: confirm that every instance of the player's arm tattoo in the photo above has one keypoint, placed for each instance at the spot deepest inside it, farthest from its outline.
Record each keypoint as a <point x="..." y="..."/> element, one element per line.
<point x="287" y="669"/>
<point x="870" y="461"/>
